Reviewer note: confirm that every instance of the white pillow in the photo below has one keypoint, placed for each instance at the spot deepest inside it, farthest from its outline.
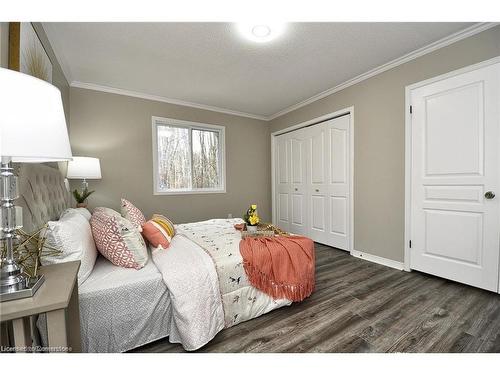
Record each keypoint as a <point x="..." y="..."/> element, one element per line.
<point x="73" y="236"/>
<point x="81" y="210"/>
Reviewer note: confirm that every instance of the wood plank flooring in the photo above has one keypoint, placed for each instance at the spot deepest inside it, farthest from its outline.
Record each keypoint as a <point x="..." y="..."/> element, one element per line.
<point x="359" y="306"/>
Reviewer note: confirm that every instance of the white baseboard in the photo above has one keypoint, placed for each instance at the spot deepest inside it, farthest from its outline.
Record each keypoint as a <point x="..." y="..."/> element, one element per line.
<point x="376" y="259"/>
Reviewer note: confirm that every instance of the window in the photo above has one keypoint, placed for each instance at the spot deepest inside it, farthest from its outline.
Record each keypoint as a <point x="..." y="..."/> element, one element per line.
<point x="188" y="157"/>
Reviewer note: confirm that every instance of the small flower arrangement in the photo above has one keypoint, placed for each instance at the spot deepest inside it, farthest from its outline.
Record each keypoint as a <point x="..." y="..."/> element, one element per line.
<point x="81" y="197"/>
<point x="252" y="217"/>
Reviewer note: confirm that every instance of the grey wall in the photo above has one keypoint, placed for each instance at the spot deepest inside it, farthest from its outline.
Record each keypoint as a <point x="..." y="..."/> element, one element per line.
<point x="379" y="138"/>
<point x="117" y="129"/>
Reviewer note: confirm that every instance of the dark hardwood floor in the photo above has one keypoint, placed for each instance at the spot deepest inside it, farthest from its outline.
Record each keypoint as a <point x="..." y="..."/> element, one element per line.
<point x="359" y="306"/>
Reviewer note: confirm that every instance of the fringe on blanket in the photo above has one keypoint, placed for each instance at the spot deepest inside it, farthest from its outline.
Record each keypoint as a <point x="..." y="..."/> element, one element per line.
<point x="292" y="292"/>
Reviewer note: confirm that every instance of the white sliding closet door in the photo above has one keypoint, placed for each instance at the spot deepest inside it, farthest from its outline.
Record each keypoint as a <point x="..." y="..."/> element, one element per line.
<point x="312" y="182"/>
<point x="282" y="182"/>
<point x="290" y="173"/>
<point x="328" y="181"/>
<point x="298" y="199"/>
<point x="338" y="187"/>
<point x="317" y="181"/>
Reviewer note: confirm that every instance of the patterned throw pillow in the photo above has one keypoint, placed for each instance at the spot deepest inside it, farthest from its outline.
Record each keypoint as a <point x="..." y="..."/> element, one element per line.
<point x="156" y="235"/>
<point x="107" y="210"/>
<point x="159" y="231"/>
<point x="132" y="213"/>
<point x="118" y="240"/>
<point x="165" y="223"/>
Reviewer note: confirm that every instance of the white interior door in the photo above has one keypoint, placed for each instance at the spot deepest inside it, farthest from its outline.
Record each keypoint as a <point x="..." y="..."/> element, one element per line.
<point x="455" y="164"/>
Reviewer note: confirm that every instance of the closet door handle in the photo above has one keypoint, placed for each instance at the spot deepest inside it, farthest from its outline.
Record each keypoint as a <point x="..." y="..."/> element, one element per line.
<point x="317" y="190"/>
<point x="296" y="189"/>
<point x="489" y="195"/>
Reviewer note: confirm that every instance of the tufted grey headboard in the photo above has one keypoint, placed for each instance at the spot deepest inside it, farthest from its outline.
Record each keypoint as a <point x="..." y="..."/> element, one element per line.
<point x="42" y="194"/>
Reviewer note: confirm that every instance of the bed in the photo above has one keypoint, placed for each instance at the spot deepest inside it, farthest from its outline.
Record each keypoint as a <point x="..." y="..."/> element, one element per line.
<point x="121" y="309"/>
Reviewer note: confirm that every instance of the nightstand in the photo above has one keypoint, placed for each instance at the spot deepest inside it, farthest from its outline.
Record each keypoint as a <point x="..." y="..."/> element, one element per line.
<point x="58" y="299"/>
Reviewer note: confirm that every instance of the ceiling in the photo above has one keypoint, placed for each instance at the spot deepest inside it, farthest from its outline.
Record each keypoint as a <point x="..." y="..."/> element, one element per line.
<point x="211" y="64"/>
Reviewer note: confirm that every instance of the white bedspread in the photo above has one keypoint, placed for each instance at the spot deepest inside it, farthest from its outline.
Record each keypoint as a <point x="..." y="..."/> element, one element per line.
<point x="189" y="274"/>
<point x="209" y="290"/>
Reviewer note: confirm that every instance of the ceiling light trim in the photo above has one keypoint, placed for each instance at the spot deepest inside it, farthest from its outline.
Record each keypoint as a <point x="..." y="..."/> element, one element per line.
<point x="157" y="98"/>
<point x="446" y="41"/>
<point x="247" y="30"/>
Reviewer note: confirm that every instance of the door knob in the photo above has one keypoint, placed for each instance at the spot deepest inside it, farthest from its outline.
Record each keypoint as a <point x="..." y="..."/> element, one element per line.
<point x="296" y="189"/>
<point x="317" y="190"/>
<point x="489" y="195"/>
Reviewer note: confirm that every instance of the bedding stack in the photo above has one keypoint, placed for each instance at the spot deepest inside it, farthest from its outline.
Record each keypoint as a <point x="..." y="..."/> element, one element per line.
<point x="196" y="285"/>
<point x="120" y="238"/>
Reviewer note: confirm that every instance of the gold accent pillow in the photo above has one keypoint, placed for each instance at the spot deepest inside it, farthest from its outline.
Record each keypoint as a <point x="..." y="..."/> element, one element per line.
<point x="166" y="224"/>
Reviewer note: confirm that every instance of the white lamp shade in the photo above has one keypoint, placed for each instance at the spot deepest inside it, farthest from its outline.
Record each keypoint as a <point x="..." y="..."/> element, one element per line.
<point x="82" y="167"/>
<point x="32" y="122"/>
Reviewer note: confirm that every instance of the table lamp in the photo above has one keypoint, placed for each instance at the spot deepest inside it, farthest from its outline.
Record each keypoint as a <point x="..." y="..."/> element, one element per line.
<point x="32" y="130"/>
<point x="84" y="168"/>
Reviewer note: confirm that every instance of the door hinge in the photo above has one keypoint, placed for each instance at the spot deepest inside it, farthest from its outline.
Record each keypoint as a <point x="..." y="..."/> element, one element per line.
<point x="411" y="109"/>
<point x="410" y="244"/>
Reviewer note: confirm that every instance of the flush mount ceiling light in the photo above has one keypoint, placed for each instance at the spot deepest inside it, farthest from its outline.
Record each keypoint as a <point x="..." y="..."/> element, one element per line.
<point x="261" y="32"/>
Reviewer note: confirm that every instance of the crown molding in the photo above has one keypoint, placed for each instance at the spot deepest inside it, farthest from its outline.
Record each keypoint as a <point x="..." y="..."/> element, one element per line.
<point x="446" y="41"/>
<point x="157" y="98"/>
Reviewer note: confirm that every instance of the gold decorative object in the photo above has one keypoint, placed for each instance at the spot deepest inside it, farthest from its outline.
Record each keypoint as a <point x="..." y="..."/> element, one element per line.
<point x="264" y="230"/>
<point x="258" y="233"/>
<point x="271" y="227"/>
<point x="30" y="248"/>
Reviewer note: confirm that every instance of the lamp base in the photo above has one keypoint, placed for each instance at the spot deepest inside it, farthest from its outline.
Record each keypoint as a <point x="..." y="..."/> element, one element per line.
<point x="31" y="286"/>
<point x="14" y="284"/>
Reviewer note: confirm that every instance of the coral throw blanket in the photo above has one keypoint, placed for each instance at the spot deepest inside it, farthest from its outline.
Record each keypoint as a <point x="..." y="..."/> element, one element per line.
<point x="282" y="267"/>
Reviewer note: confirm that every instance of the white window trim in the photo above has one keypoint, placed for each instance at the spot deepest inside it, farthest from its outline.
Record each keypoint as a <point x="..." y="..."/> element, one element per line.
<point x="191" y="125"/>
